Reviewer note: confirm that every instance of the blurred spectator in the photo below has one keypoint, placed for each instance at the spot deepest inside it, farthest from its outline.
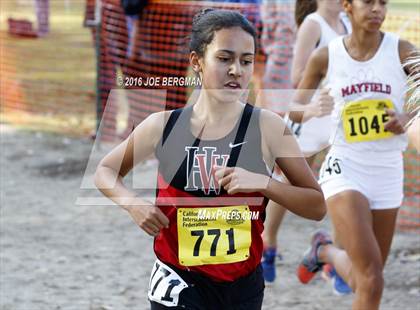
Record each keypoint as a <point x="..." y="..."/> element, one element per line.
<point x="132" y="10"/>
<point x="277" y="42"/>
<point x="42" y="16"/>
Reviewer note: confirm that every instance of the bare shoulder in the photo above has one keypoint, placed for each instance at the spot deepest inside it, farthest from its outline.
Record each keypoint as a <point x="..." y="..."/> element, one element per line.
<point x="309" y="27"/>
<point x="159" y="119"/>
<point x="407" y="51"/>
<point x="155" y="121"/>
<point x="152" y="127"/>
<point x="273" y="127"/>
<point x="315" y="70"/>
<point x="268" y="119"/>
<point x="277" y="137"/>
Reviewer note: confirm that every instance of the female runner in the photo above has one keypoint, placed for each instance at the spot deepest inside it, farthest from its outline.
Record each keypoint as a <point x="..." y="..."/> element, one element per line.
<point x="318" y="22"/>
<point x="362" y="175"/>
<point x="213" y="182"/>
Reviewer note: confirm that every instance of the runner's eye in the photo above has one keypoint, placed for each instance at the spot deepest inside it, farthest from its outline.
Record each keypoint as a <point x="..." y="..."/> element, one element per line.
<point x="224" y="59"/>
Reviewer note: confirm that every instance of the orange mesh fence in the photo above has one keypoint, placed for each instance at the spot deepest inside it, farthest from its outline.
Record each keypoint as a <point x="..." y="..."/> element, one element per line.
<point x="48" y="82"/>
<point x="90" y="13"/>
<point x="409" y="216"/>
<point x="160" y="50"/>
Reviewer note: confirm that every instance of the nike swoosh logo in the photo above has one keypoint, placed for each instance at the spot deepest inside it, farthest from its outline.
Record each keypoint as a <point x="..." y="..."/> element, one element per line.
<point x="231" y="145"/>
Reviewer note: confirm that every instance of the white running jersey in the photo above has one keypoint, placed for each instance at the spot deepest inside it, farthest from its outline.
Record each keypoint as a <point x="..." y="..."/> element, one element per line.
<point x="315" y="134"/>
<point x="361" y="91"/>
<point x="328" y="33"/>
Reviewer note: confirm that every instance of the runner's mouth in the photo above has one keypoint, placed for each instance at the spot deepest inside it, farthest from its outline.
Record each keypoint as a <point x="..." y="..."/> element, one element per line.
<point x="233" y="85"/>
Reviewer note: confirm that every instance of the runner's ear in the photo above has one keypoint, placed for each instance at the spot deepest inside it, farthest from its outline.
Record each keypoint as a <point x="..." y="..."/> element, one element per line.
<point x="347" y="6"/>
<point x="195" y="63"/>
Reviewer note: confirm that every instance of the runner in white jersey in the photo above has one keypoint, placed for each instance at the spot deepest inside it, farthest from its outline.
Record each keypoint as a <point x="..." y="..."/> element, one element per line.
<point x="317" y="31"/>
<point x="319" y="22"/>
<point x="362" y="176"/>
<point x="314" y="135"/>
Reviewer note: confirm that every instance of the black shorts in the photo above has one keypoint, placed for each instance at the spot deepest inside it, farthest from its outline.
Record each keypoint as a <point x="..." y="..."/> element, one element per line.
<point x="202" y="293"/>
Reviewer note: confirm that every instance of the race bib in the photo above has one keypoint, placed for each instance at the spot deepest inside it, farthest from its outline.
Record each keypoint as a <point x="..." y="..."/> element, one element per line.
<point x="213" y="235"/>
<point x="364" y="120"/>
<point x="332" y="166"/>
<point x="165" y="285"/>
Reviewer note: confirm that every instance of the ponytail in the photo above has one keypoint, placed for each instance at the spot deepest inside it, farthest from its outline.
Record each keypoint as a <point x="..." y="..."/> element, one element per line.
<point x="304" y="8"/>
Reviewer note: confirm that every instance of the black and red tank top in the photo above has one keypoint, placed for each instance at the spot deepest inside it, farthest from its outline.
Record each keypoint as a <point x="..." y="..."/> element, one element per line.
<point x="210" y="232"/>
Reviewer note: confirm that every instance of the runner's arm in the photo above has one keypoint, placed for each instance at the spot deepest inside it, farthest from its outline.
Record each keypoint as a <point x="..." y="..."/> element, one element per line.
<point x="307" y="37"/>
<point x="397" y="123"/>
<point x="115" y="165"/>
<point x="302" y="196"/>
<point x="315" y="71"/>
<point x="406" y="51"/>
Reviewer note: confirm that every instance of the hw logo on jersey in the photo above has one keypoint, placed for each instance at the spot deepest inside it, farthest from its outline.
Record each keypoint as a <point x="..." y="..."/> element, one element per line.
<point x="200" y="172"/>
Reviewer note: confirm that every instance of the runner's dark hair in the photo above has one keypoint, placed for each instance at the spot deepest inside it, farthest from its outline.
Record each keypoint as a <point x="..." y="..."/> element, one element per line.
<point x="208" y="21"/>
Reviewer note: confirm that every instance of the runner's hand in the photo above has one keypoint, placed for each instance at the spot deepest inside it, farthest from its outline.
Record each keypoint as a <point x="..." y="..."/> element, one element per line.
<point x="149" y="218"/>
<point x="396" y="123"/>
<point x="323" y="104"/>
<point x="238" y="180"/>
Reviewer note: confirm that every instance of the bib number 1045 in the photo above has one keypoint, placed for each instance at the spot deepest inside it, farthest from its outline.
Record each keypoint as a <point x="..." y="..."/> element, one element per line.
<point x="365" y="120"/>
<point x="362" y="125"/>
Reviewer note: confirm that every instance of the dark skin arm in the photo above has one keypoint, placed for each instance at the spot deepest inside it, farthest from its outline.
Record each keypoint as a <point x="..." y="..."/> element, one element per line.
<point x="315" y="71"/>
<point x="398" y="121"/>
<point x="407" y="50"/>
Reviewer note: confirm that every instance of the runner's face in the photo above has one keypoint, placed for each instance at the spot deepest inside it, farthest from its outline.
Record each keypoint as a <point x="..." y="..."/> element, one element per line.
<point x="367" y="14"/>
<point x="228" y="64"/>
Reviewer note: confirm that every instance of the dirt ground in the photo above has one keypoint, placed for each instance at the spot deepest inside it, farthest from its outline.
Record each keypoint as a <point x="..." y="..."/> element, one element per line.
<point x="56" y="254"/>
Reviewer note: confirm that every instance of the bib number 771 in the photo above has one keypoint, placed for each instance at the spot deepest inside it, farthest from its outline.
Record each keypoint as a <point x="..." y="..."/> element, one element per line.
<point x="165" y="285"/>
<point x="216" y="233"/>
<point x="213" y="235"/>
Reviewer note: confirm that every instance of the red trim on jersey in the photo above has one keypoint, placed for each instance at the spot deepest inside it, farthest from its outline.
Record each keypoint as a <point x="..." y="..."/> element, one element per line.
<point x="166" y="243"/>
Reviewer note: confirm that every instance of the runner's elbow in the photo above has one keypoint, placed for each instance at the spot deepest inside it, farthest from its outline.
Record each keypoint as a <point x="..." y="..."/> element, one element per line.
<point x="97" y="178"/>
<point x="100" y="178"/>
<point x="296" y="80"/>
<point x="320" y="215"/>
<point x="296" y="117"/>
<point x="320" y="210"/>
